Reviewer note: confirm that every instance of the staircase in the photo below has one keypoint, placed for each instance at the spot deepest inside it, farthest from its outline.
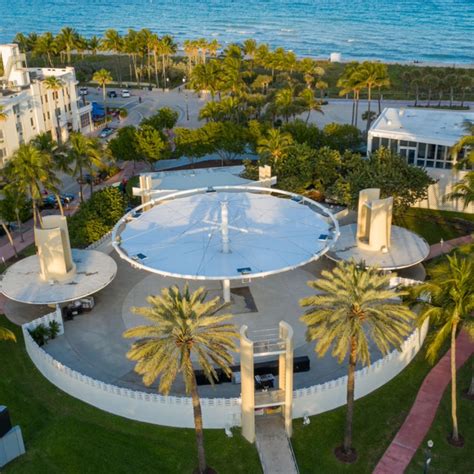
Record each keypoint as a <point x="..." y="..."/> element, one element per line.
<point x="273" y="446"/>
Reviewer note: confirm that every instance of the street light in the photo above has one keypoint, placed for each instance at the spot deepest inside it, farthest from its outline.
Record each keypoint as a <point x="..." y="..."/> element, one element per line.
<point x="430" y="445"/>
<point x="186" y="95"/>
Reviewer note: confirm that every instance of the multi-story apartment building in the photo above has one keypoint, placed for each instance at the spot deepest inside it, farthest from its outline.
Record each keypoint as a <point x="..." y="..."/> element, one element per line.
<point x="29" y="107"/>
<point x="424" y="137"/>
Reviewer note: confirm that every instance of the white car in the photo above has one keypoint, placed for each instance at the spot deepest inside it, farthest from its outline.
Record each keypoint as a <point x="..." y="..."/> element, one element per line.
<point x="125" y="93"/>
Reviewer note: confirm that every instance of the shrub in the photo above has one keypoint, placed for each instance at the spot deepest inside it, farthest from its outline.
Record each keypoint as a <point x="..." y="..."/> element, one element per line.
<point x="96" y="216"/>
<point x="53" y="329"/>
<point x="39" y="334"/>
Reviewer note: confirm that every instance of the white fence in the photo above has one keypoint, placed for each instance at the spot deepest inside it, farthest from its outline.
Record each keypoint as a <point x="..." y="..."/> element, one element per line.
<point x="217" y="412"/>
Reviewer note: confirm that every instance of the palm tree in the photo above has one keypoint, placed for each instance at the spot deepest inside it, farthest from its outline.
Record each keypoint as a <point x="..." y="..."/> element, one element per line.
<point x="213" y="46"/>
<point x="275" y="145"/>
<point x="250" y="49"/>
<point x="83" y="153"/>
<point x="59" y="161"/>
<point x="354" y="306"/>
<point x="383" y="81"/>
<point x="284" y="103"/>
<point x="55" y="84"/>
<point x="166" y="47"/>
<point x="450" y="308"/>
<point x="103" y="77"/>
<point x="112" y="41"/>
<point x="46" y="46"/>
<point x="463" y="190"/>
<point x="368" y="75"/>
<point x="431" y="83"/>
<point x="6" y="335"/>
<point x="183" y="324"/>
<point x="207" y="77"/>
<point x="310" y="102"/>
<point x="465" y="83"/>
<point x="27" y="172"/>
<point x="321" y="86"/>
<point x="348" y="83"/>
<point x="93" y="44"/>
<point x="67" y="39"/>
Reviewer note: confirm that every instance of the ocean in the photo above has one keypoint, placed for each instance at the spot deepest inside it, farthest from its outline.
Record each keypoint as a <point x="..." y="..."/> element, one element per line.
<point x="435" y="31"/>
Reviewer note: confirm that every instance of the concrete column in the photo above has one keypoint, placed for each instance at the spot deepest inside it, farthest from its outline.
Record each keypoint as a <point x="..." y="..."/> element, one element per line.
<point x="226" y="290"/>
<point x="225" y="227"/>
<point x="285" y="376"/>
<point x="247" y="386"/>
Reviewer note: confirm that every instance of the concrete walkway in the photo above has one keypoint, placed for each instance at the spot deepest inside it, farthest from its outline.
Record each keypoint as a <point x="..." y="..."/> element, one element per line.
<point x="413" y="431"/>
<point x="273" y="446"/>
<point x="446" y="247"/>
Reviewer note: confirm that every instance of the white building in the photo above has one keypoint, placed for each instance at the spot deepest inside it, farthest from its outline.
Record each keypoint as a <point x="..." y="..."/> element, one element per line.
<point x="31" y="108"/>
<point x="424" y="137"/>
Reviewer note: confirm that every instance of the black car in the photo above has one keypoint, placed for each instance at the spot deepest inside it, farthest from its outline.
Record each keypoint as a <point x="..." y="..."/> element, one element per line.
<point x="112" y="94"/>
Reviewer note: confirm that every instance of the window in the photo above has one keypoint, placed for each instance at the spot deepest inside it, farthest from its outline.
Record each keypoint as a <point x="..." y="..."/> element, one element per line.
<point x="85" y="120"/>
<point x="431" y="152"/>
<point x="421" y="150"/>
<point x="2" y="136"/>
<point x="46" y="98"/>
<point x="441" y="153"/>
<point x="375" y="144"/>
<point x="384" y="142"/>
<point x="394" y="146"/>
<point x="32" y="122"/>
<point x="16" y="109"/>
<point x="49" y="115"/>
<point x="3" y="153"/>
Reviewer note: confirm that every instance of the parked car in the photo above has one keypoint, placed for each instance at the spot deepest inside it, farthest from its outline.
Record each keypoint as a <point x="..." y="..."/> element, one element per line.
<point x="67" y="197"/>
<point x="112" y="94"/>
<point x="88" y="178"/>
<point x="107" y="131"/>
<point x="50" y="202"/>
<point x="125" y="93"/>
<point x="83" y="91"/>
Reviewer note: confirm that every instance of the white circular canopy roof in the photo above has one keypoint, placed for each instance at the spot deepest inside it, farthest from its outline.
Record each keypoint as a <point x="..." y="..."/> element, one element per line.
<point x="225" y="233"/>
<point x="22" y="281"/>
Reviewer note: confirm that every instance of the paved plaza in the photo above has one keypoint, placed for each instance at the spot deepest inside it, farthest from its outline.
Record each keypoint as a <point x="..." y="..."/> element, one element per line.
<point x="93" y="343"/>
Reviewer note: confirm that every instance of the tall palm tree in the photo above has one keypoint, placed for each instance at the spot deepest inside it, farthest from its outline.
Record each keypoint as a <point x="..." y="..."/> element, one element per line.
<point x="6" y="335"/>
<point x="93" y="44"/>
<point x="321" y="86"/>
<point x="183" y="324"/>
<point x="347" y="84"/>
<point x="166" y="47"/>
<point x="284" y="103"/>
<point x="465" y="82"/>
<point x="275" y="145"/>
<point x="27" y="172"/>
<point x="463" y="190"/>
<point x="67" y="39"/>
<point x="207" y="77"/>
<point x="310" y="102"/>
<point x="213" y="46"/>
<point x="46" y="46"/>
<point x="46" y="144"/>
<point x="367" y="74"/>
<point x="354" y="306"/>
<point x="112" y="41"/>
<point x="84" y="153"/>
<point x="450" y="308"/>
<point x="103" y="77"/>
<point x="430" y="82"/>
<point x="383" y="82"/>
<point x="54" y="84"/>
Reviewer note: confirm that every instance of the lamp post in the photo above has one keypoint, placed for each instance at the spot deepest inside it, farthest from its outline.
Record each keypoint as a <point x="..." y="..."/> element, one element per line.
<point x="429" y="444"/>
<point x="186" y="96"/>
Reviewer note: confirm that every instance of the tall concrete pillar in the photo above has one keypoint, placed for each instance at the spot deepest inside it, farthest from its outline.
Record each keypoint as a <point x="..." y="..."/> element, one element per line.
<point x="247" y="381"/>
<point x="285" y="375"/>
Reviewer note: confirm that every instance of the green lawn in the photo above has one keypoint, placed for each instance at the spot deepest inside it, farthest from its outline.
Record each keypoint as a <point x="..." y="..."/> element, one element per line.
<point x="446" y="458"/>
<point x="64" y="435"/>
<point x="377" y="418"/>
<point x="434" y="225"/>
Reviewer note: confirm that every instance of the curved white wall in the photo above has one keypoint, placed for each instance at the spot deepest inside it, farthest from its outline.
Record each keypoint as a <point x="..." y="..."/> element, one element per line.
<point x="217" y="412"/>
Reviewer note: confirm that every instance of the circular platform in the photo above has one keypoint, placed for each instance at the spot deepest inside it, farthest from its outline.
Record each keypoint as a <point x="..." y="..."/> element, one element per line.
<point x="22" y="282"/>
<point x="268" y="231"/>
<point x="406" y="249"/>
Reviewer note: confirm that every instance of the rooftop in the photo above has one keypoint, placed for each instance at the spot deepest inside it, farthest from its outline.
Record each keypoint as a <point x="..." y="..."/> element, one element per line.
<point x="443" y="127"/>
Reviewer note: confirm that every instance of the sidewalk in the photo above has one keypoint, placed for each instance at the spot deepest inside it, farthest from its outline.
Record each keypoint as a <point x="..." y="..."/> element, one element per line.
<point x="416" y="425"/>
<point x="446" y="247"/>
<point x="6" y="250"/>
